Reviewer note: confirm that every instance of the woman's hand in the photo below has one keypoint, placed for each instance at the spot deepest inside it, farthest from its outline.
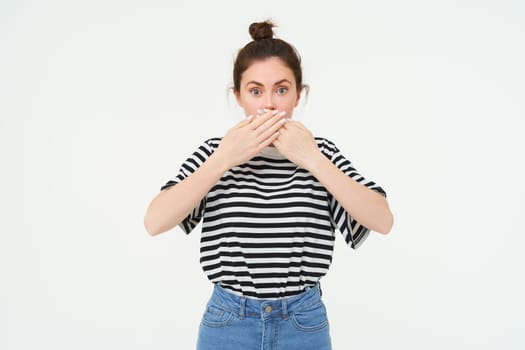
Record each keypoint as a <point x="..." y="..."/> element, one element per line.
<point x="297" y="144"/>
<point x="366" y="206"/>
<point x="243" y="141"/>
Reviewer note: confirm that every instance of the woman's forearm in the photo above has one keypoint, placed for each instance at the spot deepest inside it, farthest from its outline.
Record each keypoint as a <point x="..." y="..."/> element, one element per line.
<point x="172" y="205"/>
<point x="366" y="206"/>
<point x="240" y="144"/>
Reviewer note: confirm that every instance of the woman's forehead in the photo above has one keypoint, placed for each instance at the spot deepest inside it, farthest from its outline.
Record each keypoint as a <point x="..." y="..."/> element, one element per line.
<point x="268" y="71"/>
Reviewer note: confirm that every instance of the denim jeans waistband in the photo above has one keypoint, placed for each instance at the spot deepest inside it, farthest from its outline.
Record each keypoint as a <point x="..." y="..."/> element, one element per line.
<point x="265" y="308"/>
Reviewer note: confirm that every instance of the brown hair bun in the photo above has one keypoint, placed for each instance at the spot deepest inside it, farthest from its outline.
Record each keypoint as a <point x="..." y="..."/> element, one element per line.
<point x="264" y="46"/>
<point x="261" y="30"/>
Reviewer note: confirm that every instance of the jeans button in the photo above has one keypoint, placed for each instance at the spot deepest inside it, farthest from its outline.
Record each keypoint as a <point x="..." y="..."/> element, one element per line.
<point x="268" y="309"/>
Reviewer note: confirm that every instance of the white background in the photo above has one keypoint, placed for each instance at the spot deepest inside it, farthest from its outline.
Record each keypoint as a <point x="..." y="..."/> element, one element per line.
<point x="100" y="102"/>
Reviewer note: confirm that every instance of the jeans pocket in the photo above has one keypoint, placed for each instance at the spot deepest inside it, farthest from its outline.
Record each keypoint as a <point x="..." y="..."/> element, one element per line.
<point x="310" y="319"/>
<point x="215" y="316"/>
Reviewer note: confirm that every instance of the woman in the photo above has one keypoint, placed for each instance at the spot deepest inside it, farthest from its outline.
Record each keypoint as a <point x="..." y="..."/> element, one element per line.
<point x="270" y="195"/>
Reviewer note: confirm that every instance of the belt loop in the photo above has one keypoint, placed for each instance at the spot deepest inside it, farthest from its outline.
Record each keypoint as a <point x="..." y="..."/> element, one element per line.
<point x="284" y="307"/>
<point x="242" y="311"/>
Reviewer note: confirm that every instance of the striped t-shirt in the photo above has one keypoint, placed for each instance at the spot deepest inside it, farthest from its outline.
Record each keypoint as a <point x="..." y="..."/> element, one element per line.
<point x="268" y="225"/>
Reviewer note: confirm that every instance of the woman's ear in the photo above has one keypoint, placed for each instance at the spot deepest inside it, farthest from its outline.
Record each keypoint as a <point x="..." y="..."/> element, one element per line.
<point x="237" y="96"/>
<point x="299" y="93"/>
<point x="298" y="98"/>
<point x="304" y="89"/>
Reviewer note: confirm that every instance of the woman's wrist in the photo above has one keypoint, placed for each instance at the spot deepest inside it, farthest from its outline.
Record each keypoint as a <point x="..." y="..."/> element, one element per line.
<point x="318" y="164"/>
<point x="219" y="163"/>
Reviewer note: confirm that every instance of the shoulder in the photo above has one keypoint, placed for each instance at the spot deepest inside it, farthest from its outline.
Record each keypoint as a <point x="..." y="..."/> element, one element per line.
<point x="213" y="142"/>
<point x="206" y="148"/>
<point x="210" y="144"/>
<point x="326" y="146"/>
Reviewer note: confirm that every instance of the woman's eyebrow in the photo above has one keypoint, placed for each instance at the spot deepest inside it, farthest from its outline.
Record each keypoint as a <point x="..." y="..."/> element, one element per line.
<point x="283" y="81"/>
<point x="276" y="83"/>
<point x="255" y="83"/>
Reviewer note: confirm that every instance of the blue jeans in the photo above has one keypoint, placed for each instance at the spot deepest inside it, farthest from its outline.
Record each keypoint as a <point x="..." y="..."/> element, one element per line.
<point x="233" y="322"/>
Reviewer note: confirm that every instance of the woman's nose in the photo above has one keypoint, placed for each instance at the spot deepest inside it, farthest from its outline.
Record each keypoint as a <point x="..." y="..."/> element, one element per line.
<point x="268" y="103"/>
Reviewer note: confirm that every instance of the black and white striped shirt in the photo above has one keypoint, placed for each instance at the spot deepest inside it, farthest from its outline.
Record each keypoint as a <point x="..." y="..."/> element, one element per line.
<point x="268" y="225"/>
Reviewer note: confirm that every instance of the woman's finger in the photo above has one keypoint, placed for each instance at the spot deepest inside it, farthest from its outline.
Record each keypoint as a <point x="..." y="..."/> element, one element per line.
<point x="271" y="130"/>
<point x="270" y="122"/>
<point x="262" y="118"/>
<point x="244" y="122"/>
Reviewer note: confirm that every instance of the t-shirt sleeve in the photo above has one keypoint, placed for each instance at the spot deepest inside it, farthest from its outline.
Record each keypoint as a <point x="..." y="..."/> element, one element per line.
<point x="188" y="167"/>
<point x="353" y="232"/>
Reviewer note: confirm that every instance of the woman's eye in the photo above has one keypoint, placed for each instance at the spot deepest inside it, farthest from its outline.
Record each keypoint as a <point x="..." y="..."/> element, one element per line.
<point x="255" y="91"/>
<point x="282" y="90"/>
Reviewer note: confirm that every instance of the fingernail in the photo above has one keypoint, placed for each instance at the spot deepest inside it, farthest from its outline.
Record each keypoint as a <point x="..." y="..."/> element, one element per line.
<point x="282" y="113"/>
<point x="275" y="112"/>
<point x="259" y="111"/>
